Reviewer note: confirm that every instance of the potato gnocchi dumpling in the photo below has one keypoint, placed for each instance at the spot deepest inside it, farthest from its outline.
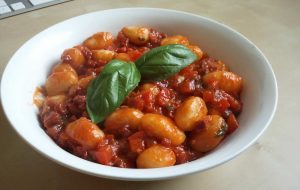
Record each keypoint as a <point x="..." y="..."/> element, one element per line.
<point x="158" y="124"/>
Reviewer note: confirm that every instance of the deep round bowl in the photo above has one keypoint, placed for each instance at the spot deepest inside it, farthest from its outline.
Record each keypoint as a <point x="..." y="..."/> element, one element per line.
<point x="31" y="64"/>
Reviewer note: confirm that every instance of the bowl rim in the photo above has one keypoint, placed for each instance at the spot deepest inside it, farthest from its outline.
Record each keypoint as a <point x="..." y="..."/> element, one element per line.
<point x="156" y="173"/>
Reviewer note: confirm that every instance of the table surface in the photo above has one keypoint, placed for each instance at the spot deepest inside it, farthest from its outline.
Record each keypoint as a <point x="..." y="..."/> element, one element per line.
<point x="273" y="162"/>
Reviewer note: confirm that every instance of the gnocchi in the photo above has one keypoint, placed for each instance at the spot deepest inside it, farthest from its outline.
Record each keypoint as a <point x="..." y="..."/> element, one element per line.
<point x="99" y="40"/>
<point x="74" y="57"/>
<point x="123" y="117"/>
<point x="55" y="100"/>
<point x="63" y="67"/>
<point x="162" y="127"/>
<point x="85" y="132"/>
<point x="137" y="35"/>
<point x="60" y="82"/>
<point x="196" y="50"/>
<point x="225" y="80"/>
<point x="155" y="157"/>
<point x="104" y="55"/>
<point x="210" y="135"/>
<point x="159" y="123"/>
<point x="178" y="39"/>
<point x="190" y="112"/>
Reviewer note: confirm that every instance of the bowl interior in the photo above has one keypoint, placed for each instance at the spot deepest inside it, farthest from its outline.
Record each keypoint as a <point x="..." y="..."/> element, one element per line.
<point x="31" y="64"/>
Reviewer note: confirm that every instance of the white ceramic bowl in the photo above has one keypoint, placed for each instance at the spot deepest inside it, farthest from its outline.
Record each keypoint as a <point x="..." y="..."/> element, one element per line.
<point x="31" y="64"/>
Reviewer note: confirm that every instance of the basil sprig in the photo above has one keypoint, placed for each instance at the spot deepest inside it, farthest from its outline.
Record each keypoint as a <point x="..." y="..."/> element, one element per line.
<point x="118" y="78"/>
<point x="164" y="61"/>
<point x="107" y="91"/>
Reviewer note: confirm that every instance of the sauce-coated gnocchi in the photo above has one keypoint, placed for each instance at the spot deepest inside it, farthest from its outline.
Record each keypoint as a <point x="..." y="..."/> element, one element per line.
<point x="160" y="123"/>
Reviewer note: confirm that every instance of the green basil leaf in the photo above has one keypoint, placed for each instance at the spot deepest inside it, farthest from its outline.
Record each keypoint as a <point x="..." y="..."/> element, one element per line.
<point x="109" y="89"/>
<point x="164" y="61"/>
